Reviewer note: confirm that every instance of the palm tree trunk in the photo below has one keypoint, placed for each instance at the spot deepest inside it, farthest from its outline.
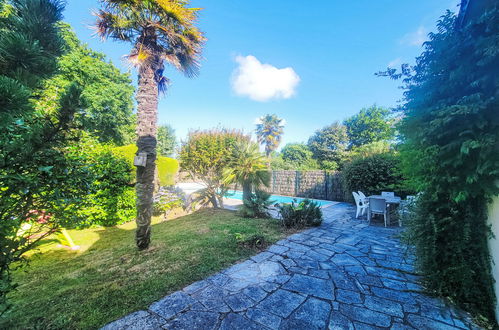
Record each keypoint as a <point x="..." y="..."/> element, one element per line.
<point x="147" y="109"/>
<point x="246" y="190"/>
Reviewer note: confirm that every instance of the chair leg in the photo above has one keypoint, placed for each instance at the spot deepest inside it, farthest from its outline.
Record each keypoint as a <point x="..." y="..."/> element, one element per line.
<point x="384" y="216"/>
<point x="368" y="217"/>
<point x="357" y="214"/>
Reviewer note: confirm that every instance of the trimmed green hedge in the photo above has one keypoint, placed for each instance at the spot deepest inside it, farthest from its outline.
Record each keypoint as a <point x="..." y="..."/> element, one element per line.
<point x="374" y="174"/>
<point x="167" y="167"/>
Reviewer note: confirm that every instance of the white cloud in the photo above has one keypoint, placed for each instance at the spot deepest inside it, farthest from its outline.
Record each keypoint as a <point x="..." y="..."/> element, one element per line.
<point x="415" y="38"/>
<point x="395" y="63"/>
<point x="263" y="82"/>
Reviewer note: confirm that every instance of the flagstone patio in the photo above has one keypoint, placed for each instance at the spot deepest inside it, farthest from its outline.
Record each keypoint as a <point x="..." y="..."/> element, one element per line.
<point x="341" y="275"/>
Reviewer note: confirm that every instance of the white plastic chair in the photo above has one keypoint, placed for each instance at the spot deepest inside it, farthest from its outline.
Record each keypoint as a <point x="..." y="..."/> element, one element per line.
<point x="361" y="206"/>
<point x="363" y="197"/>
<point x="377" y="206"/>
<point x="387" y="194"/>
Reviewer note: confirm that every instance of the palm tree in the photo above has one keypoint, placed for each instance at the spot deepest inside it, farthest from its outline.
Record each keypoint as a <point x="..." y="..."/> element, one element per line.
<point x="247" y="168"/>
<point x="160" y="31"/>
<point x="269" y="132"/>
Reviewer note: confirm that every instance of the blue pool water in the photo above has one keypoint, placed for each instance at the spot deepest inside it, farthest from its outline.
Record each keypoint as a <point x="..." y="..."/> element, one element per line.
<point x="236" y="194"/>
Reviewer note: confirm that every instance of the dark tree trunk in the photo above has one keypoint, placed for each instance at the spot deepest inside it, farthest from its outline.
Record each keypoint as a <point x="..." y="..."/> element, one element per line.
<point x="147" y="109"/>
<point x="246" y="190"/>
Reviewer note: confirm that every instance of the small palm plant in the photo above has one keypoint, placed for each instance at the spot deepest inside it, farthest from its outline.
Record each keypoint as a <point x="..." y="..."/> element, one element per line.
<point x="269" y="132"/>
<point x="247" y="168"/>
<point x="257" y="206"/>
<point x="160" y="31"/>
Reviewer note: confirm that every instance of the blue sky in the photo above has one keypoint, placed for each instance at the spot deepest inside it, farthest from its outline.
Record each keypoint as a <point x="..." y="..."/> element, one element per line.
<point x="311" y="63"/>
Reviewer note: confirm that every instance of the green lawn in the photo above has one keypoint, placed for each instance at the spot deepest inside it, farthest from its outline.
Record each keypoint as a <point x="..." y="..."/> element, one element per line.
<point x="108" y="278"/>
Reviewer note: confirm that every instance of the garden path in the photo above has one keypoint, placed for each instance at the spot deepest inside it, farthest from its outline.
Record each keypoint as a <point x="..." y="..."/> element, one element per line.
<point x="341" y="275"/>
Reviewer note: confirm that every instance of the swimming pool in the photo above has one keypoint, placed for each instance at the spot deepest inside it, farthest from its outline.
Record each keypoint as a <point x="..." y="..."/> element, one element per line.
<point x="236" y="194"/>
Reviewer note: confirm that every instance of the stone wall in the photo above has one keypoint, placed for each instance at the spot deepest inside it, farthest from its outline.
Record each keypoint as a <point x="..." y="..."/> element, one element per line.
<point x="312" y="184"/>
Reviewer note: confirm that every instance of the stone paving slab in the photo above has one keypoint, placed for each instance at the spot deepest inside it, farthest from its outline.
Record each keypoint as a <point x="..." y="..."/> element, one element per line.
<point x="341" y="275"/>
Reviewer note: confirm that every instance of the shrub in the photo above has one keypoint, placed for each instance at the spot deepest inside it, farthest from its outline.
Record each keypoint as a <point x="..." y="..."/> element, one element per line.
<point x="374" y="174"/>
<point x="304" y="214"/>
<point x="206" y="155"/>
<point x="257" y="206"/>
<point x="167" y="167"/>
<point x="111" y="197"/>
<point x="166" y="199"/>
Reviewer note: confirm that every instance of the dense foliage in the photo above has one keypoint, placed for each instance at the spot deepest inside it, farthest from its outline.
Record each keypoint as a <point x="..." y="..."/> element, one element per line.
<point x="167" y="170"/>
<point x="110" y="197"/>
<point x="374" y="174"/>
<point x="37" y="180"/>
<point x="167" y="199"/>
<point x="257" y="205"/>
<point x="166" y="141"/>
<point x="206" y="155"/>
<point x="106" y="92"/>
<point x="167" y="167"/>
<point x="370" y="149"/>
<point x="451" y="131"/>
<point x="247" y="168"/>
<point x="307" y="213"/>
<point x="295" y="156"/>
<point x="369" y="125"/>
<point x="329" y="145"/>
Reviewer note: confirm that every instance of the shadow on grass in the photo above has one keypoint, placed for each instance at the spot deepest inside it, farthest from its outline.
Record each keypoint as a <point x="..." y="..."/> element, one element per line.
<point x="109" y="277"/>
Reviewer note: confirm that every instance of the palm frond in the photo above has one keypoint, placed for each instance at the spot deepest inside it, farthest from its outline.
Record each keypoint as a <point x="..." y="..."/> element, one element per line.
<point x="161" y="30"/>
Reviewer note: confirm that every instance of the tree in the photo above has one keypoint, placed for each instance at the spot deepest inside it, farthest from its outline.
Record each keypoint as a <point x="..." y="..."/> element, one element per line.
<point x="295" y="156"/>
<point x="206" y="155"/>
<point x="370" y="149"/>
<point x="247" y="167"/>
<point x="269" y="132"/>
<point x="451" y="142"/>
<point x="369" y="125"/>
<point x="37" y="180"/>
<point x="296" y="152"/>
<point x="329" y="145"/>
<point x="166" y="140"/>
<point x="106" y="92"/>
<point x="160" y="31"/>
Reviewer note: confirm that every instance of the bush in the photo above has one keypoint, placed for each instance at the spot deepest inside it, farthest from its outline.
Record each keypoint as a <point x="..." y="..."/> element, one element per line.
<point x="257" y="206"/>
<point x="374" y="174"/>
<point x="111" y="197"/>
<point x="167" y="167"/>
<point x="206" y="155"/>
<point x="167" y="198"/>
<point x="304" y="214"/>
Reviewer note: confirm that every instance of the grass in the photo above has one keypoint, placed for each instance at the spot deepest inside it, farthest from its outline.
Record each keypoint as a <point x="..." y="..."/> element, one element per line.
<point x="108" y="278"/>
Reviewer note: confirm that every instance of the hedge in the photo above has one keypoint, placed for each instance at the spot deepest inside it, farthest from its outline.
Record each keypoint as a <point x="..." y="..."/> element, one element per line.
<point x="167" y="167"/>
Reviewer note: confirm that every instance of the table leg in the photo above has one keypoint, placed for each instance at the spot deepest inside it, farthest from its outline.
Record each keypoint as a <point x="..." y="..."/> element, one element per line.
<point x="388" y="215"/>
